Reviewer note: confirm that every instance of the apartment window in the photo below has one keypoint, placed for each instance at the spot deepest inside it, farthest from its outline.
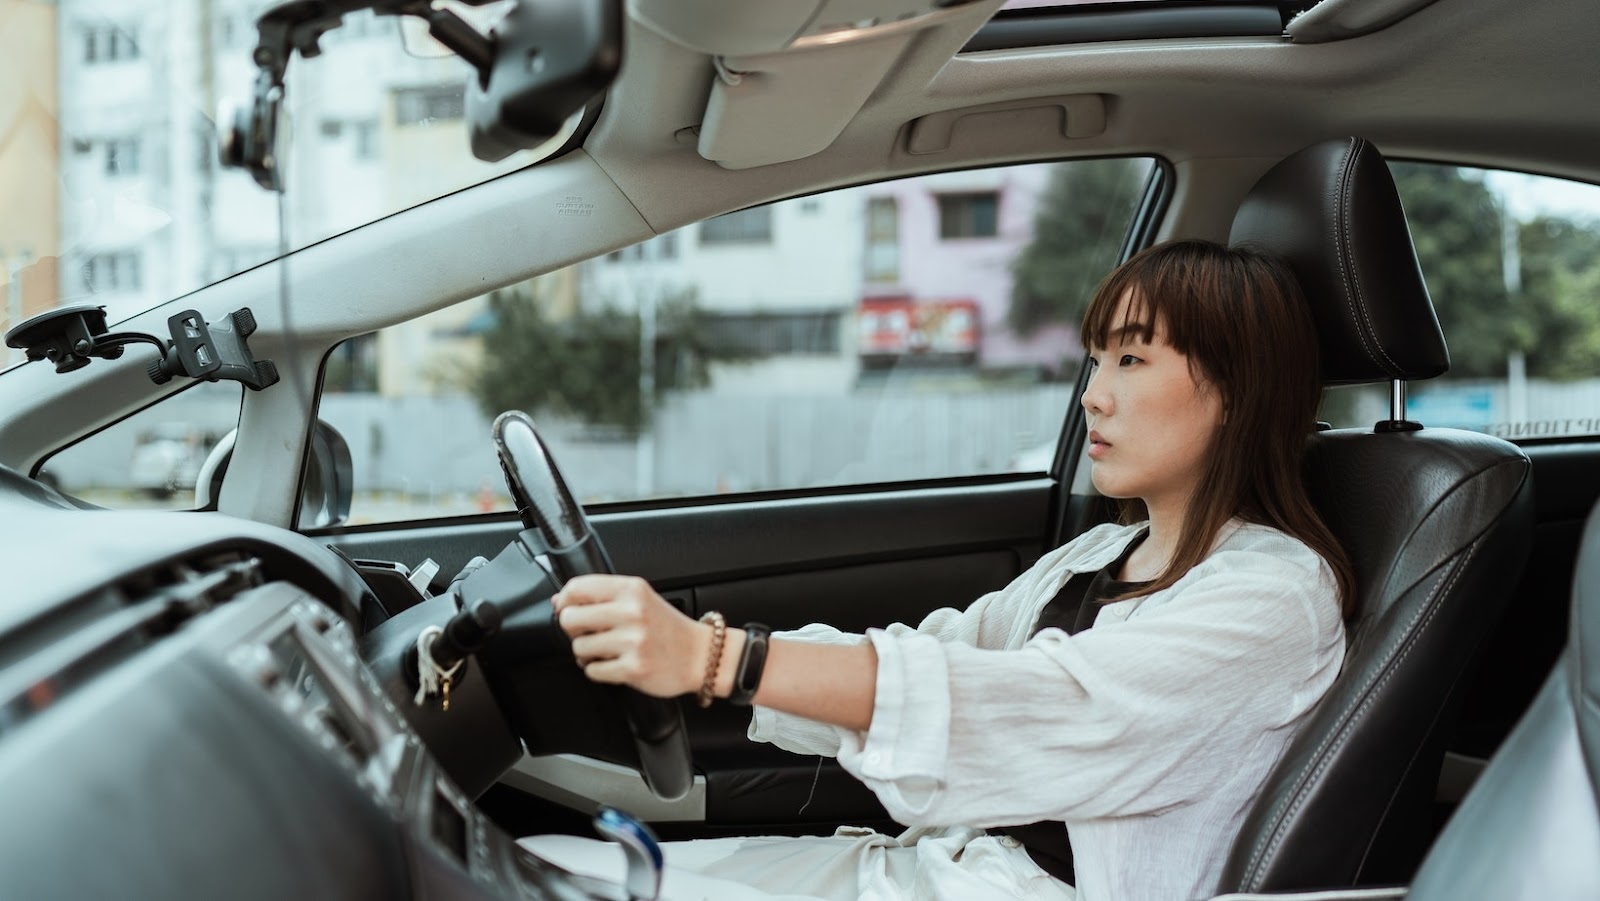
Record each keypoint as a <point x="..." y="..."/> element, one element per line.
<point x="108" y="44"/>
<point x="883" y="240"/>
<point x="352" y="367"/>
<point x="667" y="246"/>
<point x="434" y="103"/>
<point x="752" y="226"/>
<point x="969" y="215"/>
<point x="366" y="133"/>
<point x="115" y="271"/>
<point x="766" y="334"/>
<point x="122" y="156"/>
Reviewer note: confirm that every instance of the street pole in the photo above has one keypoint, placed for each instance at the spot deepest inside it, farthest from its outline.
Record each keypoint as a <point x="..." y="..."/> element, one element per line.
<point x="645" y="458"/>
<point x="1511" y="271"/>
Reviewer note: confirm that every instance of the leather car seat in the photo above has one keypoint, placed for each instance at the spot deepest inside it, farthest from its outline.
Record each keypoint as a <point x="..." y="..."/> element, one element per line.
<point x="1437" y="523"/>
<point x="1530" y="826"/>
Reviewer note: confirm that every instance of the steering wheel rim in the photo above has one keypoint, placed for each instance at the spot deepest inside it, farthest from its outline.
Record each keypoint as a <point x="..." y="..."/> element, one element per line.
<point x="546" y="505"/>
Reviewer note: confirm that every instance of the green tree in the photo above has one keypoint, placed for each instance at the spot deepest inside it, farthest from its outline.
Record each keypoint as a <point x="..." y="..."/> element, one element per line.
<point x="587" y="365"/>
<point x="1078" y="230"/>
<point x="1458" y="227"/>
<point x="1560" y="274"/>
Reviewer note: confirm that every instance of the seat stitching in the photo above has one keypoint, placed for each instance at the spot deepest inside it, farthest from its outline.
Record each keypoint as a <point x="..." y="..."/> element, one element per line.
<point x="1358" y="307"/>
<point x="1342" y="734"/>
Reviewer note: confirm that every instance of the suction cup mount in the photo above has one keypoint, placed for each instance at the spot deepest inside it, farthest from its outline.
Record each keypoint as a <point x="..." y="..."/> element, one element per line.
<point x="70" y="336"/>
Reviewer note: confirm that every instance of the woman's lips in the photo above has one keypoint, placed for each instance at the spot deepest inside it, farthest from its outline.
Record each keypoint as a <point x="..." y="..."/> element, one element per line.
<point x="1097" y="445"/>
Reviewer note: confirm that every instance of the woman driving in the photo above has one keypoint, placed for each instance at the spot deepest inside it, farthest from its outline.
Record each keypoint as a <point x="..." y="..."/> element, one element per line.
<point x="1130" y="691"/>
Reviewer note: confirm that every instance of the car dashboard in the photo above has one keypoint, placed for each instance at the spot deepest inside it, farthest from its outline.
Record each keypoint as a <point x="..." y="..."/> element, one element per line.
<point x="184" y="712"/>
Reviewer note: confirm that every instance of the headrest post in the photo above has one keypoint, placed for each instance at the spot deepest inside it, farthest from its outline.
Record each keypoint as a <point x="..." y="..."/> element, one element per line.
<point x="1397" y="421"/>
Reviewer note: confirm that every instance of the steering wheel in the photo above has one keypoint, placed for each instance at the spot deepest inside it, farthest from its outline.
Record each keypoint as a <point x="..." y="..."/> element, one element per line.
<point x="546" y="506"/>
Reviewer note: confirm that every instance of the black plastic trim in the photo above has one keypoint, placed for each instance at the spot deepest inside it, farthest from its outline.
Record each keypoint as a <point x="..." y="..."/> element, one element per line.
<point x="1086" y="25"/>
<point x="1566" y="480"/>
<point x="678" y="547"/>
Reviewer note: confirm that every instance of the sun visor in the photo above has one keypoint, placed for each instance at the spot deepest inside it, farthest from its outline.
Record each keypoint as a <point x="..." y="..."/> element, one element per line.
<point x="791" y="74"/>
<point x="787" y="106"/>
<point x="1335" y="20"/>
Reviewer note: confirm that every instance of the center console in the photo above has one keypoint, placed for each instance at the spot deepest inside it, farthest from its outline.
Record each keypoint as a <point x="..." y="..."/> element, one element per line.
<point x="306" y="661"/>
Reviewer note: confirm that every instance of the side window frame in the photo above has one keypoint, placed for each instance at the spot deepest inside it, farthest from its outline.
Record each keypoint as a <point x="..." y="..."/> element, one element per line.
<point x="1153" y="201"/>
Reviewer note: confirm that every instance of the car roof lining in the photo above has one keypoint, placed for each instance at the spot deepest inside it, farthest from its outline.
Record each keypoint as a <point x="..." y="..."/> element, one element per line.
<point x="1198" y="98"/>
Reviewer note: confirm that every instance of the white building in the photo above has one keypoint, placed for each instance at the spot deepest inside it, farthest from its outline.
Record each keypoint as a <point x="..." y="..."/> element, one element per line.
<point x="150" y="215"/>
<point x="780" y="282"/>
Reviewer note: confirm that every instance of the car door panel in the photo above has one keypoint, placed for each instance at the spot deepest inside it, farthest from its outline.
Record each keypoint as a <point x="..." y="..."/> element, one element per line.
<point x="681" y="546"/>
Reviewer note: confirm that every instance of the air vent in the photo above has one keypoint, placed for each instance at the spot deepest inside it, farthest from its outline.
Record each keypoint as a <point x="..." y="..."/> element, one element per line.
<point x="47" y="658"/>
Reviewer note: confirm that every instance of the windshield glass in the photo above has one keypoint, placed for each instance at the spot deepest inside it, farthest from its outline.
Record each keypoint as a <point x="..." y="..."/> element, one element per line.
<point x="110" y="191"/>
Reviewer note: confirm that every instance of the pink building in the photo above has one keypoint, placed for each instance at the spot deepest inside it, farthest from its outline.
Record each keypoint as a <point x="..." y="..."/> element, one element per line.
<point x="940" y="249"/>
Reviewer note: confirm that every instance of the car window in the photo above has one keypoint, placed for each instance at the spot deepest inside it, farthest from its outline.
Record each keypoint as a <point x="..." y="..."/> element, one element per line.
<point x="152" y="458"/>
<point x="108" y="145"/>
<point x="1512" y="262"/>
<point x="917" y="329"/>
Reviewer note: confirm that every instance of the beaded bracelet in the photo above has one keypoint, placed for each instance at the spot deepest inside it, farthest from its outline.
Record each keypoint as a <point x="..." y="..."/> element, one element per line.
<point x="719" y="633"/>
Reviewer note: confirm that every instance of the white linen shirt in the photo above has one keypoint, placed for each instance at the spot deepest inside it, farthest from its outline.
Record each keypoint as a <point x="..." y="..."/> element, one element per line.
<point x="1148" y="735"/>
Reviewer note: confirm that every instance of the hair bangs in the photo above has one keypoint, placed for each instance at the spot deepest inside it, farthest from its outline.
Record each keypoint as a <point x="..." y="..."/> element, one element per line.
<point x="1161" y="293"/>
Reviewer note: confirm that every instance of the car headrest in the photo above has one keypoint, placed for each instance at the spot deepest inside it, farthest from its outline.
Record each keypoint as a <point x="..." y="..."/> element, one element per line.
<point x="1331" y="212"/>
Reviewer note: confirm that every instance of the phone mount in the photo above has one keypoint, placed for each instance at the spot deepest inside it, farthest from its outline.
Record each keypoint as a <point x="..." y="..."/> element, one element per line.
<point x="70" y="336"/>
<point x="543" y="62"/>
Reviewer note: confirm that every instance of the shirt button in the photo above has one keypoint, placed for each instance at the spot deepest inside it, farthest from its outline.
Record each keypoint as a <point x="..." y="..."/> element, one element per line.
<point x="873" y="758"/>
<point x="1010" y="842"/>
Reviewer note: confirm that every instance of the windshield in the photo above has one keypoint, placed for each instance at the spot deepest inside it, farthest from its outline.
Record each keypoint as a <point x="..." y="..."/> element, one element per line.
<point x="110" y="191"/>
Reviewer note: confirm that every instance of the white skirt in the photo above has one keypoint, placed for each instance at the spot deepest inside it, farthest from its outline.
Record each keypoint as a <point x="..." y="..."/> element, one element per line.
<point x="853" y="864"/>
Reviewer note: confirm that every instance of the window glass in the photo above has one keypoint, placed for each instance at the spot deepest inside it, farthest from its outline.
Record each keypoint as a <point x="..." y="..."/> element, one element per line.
<point x="111" y="188"/>
<point x="151" y="459"/>
<point x="836" y="339"/>
<point x="1512" y="262"/>
<point x="743" y="226"/>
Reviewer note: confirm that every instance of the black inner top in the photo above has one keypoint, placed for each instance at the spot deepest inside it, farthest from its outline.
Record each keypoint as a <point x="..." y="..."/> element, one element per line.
<point x="1072" y="610"/>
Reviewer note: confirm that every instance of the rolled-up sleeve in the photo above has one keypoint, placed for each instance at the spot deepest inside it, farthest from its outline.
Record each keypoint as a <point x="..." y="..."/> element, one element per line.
<point x="1131" y="717"/>
<point x="806" y="736"/>
<point x="992" y="621"/>
<point x="797" y="733"/>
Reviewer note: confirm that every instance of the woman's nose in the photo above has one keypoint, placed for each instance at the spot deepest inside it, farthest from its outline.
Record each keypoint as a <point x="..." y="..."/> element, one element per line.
<point x="1095" y="398"/>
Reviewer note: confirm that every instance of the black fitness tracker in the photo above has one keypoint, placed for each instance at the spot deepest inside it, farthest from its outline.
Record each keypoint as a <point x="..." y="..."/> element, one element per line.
<point x="747" y="678"/>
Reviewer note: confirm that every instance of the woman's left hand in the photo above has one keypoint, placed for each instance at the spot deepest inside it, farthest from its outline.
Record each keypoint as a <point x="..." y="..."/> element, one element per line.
<point x="624" y="633"/>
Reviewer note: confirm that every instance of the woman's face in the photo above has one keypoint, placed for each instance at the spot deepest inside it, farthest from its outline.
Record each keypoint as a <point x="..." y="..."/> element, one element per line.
<point x="1150" y="423"/>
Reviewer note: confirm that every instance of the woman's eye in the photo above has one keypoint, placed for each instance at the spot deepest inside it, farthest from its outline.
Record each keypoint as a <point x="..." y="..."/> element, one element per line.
<point x="1128" y="360"/>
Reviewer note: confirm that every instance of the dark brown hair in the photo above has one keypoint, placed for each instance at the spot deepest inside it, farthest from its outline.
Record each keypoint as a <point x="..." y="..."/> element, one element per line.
<point x="1241" y="319"/>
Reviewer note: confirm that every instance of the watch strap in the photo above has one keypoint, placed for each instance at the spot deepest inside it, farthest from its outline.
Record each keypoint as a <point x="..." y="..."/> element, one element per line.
<point x="752" y="660"/>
